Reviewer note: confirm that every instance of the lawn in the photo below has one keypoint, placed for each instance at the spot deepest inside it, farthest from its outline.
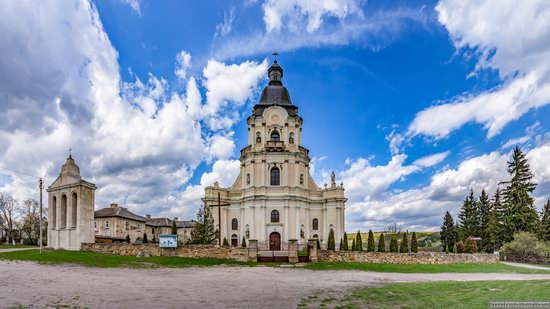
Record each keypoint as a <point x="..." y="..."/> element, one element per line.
<point x="476" y="294"/>
<point x="425" y="268"/>
<point x="92" y="259"/>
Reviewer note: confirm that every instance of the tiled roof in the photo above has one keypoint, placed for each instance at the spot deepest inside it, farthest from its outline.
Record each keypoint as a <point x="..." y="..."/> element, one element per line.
<point x="186" y="224"/>
<point x="158" y="222"/>
<point x="118" y="212"/>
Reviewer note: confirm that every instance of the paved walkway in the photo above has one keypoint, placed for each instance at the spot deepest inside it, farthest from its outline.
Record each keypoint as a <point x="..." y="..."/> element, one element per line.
<point x="527" y="266"/>
<point x="213" y="287"/>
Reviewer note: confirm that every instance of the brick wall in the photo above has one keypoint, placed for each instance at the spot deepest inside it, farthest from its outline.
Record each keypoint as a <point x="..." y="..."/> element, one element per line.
<point x="405" y="258"/>
<point x="193" y="251"/>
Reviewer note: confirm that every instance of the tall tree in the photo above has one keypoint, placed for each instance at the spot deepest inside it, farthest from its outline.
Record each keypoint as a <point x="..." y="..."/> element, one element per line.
<point x="545" y="222"/>
<point x="358" y="241"/>
<point x="30" y="220"/>
<point x="393" y="243"/>
<point x="468" y="218"/>
<point x="8" y="207"/>
<point x="370" y="242"/>
<point x="345" y="242"/>
<point x="484" y="211"/>
<point x="521" y="214"/>
<point x="174" y="227"/>
<point x="448" y="231"/>
<point x="414" y="243"/>
<point x="331" y="243"/>
<point x="404" y="243"/>
<point x="495" y="226"/>
<point x="204" y="231"/>
<point x="353" y="245"/>
<point x="381" y="243"/>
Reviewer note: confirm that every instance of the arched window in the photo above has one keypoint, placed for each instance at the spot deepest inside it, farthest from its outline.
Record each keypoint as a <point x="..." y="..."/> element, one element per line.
<point x="301" y="179"/>
<point x="54" y="213"/>
<point x="234" y="224"/>
<point x="315" y="236"/>
<point x="275" y="136"/>
<point x="247" y="179"/>
<point x="274" y="215"/>
<point x="63" y="223"/>
<point x="291" y="138"/>
<point x="275" y="176"/>
<point x="315" y="224"/>
<point x="73" y="210"/>
<point x="234" y="240"/>
<point x="258" y="138"/>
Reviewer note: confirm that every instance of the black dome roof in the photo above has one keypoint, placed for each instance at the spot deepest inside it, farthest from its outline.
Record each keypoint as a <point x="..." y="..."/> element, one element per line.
<point x="275" y="93"/>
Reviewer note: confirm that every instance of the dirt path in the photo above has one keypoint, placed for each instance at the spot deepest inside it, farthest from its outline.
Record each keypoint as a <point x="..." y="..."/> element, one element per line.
<point x="16" y="249"/>
<point x="28" y="283"/>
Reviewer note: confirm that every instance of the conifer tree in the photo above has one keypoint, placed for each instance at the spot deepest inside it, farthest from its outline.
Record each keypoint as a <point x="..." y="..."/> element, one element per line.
<point x="145" y="238"/>
<point x="358" y="242"/>
<point x="225" y="242"/>
<point x="331" y="243"/>
<point x="381" y="243"/>
<point x="404" y="244"/>
<point x="448" y="231"/>
<point x="393" y="243"/>
<point x="174" y="227"/>
<point x="520" y="213"/>
<point x="414" y="243"/>
<point x="353" y="245"/>
<point x="495" y="227"/>
<point x="468" y="218"/>
<point x="484" y="211"/>
<point x="370" y="242"/>
<point x="345" y="243"/>
<point x="341" y="245"/>
<point x="545" y="222"/>
<point x="204" y="231"/>
<point x="243" y="242"/>
<point x="318" y="244"/>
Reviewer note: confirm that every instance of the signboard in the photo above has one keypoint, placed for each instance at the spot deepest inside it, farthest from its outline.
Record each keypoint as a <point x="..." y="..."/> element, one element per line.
<point x="168" y="241"/>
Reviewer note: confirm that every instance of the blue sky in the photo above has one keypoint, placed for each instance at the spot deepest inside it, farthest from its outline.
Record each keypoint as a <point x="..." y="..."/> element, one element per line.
<point x="411" y="103"/>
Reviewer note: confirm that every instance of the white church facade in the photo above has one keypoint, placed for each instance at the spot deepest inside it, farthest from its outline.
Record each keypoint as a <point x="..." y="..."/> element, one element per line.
<point x="274" y="199"/>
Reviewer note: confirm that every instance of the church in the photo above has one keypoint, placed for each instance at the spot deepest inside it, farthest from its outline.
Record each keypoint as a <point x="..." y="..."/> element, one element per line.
<point x="274" y="199"/>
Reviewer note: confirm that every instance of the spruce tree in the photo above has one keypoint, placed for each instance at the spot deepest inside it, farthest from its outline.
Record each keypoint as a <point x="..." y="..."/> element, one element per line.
<point x="545" y="222"/>
<point x="404" y="244"/>
<point x="204" y="231"/>
<point x="448" y="231"/>
<point x="414" y="243"/>
<point x="145" y="238"/>
<point x="521" y="214"/>
<point x="353" y="245"/>
<point x="341" y="245"/>
<point x="381" y="243"/>
<point x="345" y="243"/>
<point x="331" y="243"/>
<point x="468" y="217"/>
<point x="495" y="226"/>
<point x="358" y="242"/>
<point x="243" y="242"/>
<point x="484" y="211"/>
<point x="393" y="243"/>
<point x="174" y="227"/>
<point x="370" y="242"/>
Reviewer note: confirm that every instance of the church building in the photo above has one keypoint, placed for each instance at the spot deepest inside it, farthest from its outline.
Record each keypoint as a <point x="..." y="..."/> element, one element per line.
<point x="274" y="199"/>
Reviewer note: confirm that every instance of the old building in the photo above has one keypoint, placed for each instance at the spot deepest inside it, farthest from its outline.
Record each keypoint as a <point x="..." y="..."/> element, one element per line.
<point x="274" y="199"/>
<point x="116" y="223"/>
<point x="70" y="209"/>
<point x="159" y="226"/>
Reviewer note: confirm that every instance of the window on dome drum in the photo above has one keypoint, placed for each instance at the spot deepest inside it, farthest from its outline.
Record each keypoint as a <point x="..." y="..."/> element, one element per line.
<point x="315" y="224"/>
<point x="247" y="179"/>
<point x="291" y="138"/>
<point x="301" y="179"/>
<point x="275" y="177"/>
<point x="234" y="224"/>
<point x="258" y="138"/>
<point x="275" y="215"/>
<point x="275" y="136"/>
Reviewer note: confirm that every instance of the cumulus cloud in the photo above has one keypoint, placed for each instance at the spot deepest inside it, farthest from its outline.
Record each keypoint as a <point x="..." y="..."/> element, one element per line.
<point x="183" y="62"/>
<point x="139" y="141"/>
<point x="432" y="160"/>
<point x="510" y="37"/>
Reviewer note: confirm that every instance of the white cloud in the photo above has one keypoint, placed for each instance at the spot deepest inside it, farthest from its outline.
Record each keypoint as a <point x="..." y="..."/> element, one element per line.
<point x="225" y="27"/>
<point x="183" y="62"/>
<point x="511" y="37"/>
<point x="135" y="5"/>
<point x="432" y="160"/>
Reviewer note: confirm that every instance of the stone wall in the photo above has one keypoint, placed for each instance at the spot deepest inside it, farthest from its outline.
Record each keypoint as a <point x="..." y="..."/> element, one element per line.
<point x="193" y="251"/>
<point x="405" y="258"/>
<point x="530" y="259"/>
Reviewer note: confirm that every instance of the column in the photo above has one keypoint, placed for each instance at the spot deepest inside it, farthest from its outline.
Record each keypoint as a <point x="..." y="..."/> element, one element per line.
<point x="262" y="227"/>
<point x="325" y="224"/>
<point x="307" y="222"/>
<point x="297" y="222"/>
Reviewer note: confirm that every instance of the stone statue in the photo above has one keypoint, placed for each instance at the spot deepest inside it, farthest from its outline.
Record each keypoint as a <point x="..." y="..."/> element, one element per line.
<point x="333" y="180"/>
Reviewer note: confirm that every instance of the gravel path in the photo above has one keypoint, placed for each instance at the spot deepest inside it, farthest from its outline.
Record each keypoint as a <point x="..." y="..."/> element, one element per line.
<point x="526" y="266"/>
<point x="16" y="249"/>
<point x="29" y="283"/>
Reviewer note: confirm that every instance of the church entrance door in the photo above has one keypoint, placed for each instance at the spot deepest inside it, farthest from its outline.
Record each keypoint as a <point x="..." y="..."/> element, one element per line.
<point x="274" y="241"/>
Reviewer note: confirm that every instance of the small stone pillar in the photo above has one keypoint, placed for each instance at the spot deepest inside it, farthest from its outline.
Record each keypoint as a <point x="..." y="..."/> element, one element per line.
<point x="253" y="250"/>
<point x="312" y="250"/>
<point x="293" y="251"/>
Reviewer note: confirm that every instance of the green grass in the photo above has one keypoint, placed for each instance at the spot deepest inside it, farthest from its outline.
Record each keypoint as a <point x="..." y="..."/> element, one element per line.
<point x="425" y="268"/>
<point x="92" y="259"/>
<point x="476" y="294"/>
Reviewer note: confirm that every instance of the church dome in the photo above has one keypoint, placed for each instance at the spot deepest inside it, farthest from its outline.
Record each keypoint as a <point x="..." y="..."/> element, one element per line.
<point x="275" y="93"/>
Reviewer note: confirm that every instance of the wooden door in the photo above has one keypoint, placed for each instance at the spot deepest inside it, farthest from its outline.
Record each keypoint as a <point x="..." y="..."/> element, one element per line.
<point x="275" y="241"/>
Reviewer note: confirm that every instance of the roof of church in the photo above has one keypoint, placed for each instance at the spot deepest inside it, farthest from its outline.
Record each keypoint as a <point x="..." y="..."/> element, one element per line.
<point x="118" y="212"/>
<point x="275" y="93"/>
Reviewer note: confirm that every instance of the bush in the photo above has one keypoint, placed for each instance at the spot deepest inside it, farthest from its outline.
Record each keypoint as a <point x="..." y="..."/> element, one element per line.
<point x="358" y="242"/>
<point x="381" y="243"/>
<point x="526" y="244"/>
<point x="345" y="246"/>
<point x="470" y="246"/>
<point x="414" y="243"/>
<point x="393" y="243"/>
<point x="459" y="247"/>
<point x="331" y="243"/>
<point x="370" y="242"/>
<point x="225" y="242"/>
<point x="145" y="238"/>
<point x="404" y="244"/>
<point x="243" y="242"/>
